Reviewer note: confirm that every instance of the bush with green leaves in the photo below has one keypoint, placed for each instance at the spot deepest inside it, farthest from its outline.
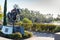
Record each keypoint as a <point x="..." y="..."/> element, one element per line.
<point x="57" y="29"/>
<point x="27" y="34"/>
<point x="36" y="27"/>
<point x="16" y="35"/>
<point x="27" y="23"/>
<point x="43" y="27"/>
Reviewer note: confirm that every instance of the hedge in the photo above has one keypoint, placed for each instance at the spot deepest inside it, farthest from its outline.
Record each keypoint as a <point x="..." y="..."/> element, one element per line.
<point x="57" y="29"/>
<point x="44" y="27"/>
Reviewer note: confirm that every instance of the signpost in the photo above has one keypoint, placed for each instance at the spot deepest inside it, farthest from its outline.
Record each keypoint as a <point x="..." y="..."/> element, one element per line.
<point x="12" y="17"/>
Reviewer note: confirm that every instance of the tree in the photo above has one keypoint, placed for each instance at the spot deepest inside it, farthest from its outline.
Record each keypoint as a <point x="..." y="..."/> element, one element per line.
<point x="5" y="10"/>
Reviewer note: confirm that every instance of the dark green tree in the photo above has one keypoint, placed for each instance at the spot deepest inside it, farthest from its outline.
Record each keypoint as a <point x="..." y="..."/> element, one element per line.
<point x="5" y="10"/>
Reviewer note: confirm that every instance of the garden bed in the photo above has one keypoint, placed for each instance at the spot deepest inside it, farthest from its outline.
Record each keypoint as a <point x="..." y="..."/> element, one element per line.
<point x="17" y="35"/>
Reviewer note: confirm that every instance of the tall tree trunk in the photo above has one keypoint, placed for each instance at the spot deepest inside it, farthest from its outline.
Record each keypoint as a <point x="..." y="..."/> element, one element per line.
<point x="5" y="10"/>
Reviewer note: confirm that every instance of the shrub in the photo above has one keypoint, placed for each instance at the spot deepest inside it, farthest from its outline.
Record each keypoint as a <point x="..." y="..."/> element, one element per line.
<point x="36" y="27"/>
<point x="57" y="29"/>
<point x="27" y="23"/>
<point x="27" y="34"/>
<point x="1" y="33"/>
<point x="12" y="36"/>
<point x="16" y="35"/>
<point x="51" y="27"/>
<point x="43" y="27"/>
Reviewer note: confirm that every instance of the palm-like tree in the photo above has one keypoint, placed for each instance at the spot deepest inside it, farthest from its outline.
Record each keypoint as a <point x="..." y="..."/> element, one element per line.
<point x="5" y="10"/>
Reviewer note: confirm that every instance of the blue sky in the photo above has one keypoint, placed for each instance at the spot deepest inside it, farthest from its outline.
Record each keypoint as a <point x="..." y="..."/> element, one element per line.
<point x="44" y="6"/>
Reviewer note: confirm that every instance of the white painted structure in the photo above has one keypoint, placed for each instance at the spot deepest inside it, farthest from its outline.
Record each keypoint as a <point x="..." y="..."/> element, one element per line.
<point x="7" y="30"/>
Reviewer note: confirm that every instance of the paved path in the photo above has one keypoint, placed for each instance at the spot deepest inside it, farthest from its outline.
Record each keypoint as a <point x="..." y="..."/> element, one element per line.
<point x="41" y="36"/>
<point x="1" y="38"/>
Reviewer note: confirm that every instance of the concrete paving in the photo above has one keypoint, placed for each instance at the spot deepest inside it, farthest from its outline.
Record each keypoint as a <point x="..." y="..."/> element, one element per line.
<point x="2" y="38"/>
<point x="41" y="36"/>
